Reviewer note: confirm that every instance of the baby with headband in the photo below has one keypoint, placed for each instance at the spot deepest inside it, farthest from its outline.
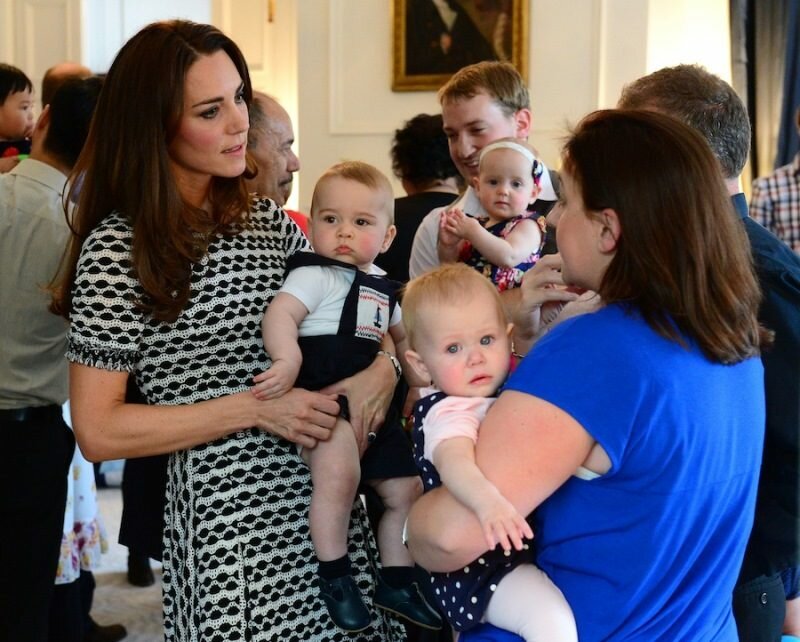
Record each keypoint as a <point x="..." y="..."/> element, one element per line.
<point x="508" y="241"/>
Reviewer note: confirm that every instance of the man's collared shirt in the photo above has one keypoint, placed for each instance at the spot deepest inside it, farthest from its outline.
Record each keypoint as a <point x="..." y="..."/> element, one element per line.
<point x="776" y="203"/>
<point x="33" y="235"/>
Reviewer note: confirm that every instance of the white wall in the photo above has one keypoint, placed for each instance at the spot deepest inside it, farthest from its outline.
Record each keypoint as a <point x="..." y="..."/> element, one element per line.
<point x="329" y="61"/>
<point x="108" y="24"/>
<point x="581" y="53"/>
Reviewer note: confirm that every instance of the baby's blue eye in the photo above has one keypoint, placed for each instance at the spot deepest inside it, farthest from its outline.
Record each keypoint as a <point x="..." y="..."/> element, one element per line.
<point x="452" y="348"/>
<point x="485" y="341"/>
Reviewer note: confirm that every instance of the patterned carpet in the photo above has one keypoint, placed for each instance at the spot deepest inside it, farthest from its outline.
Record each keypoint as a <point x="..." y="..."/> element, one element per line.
<point x="116" y="601"/>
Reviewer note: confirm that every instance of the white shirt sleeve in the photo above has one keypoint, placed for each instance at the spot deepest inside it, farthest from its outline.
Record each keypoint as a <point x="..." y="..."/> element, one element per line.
<point x="308" y="284"/>
<point x="424" y="254"/>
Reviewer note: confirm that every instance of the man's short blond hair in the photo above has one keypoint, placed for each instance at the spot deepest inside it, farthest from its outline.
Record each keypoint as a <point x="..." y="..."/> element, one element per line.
<point x="500" y="80"/>
<point x="362" y="173"/>
<point x="450" y="284"/>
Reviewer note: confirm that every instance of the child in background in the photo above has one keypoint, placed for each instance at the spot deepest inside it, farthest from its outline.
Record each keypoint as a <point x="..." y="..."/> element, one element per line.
<point x="16" y="112"/>
<point x="507" y="243"/>
<point x="327" y="323"/>
<point x="460" y="342"/>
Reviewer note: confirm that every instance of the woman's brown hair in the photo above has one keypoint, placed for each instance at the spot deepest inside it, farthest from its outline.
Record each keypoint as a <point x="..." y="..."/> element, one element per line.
<point x="124" y="167"/>
<point x="682" y="258"/>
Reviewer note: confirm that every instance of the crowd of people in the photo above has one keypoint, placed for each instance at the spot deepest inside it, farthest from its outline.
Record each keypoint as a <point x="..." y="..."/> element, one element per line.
<point x="575" y="395"/>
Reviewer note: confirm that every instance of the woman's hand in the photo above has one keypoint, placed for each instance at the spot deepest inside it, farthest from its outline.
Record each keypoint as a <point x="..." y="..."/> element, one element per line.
<point x="369" y="394"/>
<point x="299" y="416"/>
<point x="543" y="292"/>
<point x="413" y="396"/>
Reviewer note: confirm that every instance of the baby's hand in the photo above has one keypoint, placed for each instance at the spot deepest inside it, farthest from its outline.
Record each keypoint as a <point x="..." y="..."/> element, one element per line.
<point x="460" y="224"/>
<point x="276" y="381"/>
<point x="447" y="235"/>
<point x="503" y="525"/>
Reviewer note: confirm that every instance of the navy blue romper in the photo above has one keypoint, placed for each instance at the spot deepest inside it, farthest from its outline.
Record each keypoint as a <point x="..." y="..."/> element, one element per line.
<point x="331" y="358"/>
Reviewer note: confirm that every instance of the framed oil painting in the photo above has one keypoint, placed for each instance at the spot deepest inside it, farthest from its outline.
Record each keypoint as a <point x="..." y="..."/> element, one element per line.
<point x="434" y="38"/>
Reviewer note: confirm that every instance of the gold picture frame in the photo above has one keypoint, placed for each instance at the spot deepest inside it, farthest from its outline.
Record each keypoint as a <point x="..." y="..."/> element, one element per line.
<point x="431" y="40"/>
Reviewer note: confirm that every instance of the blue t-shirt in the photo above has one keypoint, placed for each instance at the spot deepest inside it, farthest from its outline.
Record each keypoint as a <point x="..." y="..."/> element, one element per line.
<point x="650" y="550"/>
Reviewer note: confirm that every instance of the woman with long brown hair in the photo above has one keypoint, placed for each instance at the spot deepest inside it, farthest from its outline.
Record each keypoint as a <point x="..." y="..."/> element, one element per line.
<point x="662" y="385"/>
<point x="170" y="268"/>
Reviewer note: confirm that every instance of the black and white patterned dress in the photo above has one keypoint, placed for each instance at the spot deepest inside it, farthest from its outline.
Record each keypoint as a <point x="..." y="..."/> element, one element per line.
<point x="238" y="560"/>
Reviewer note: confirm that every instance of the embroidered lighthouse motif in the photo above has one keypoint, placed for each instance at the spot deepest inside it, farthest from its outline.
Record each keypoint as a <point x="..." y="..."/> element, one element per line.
<point x="372" y="319"/>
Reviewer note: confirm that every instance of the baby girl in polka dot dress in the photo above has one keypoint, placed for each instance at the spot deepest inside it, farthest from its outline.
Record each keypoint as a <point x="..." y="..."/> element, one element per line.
<point x="460" y="342"/>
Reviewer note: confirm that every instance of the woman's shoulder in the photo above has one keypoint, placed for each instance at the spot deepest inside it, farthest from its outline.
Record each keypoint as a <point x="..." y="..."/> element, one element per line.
<point x="611" y="330"/>
<point x="114" y="233"/>
<point x="260" y="205"/>
<point x="266" y="213"/>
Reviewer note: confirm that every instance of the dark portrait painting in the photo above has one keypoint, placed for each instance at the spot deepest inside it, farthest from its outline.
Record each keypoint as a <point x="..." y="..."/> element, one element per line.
<point x="435" y="38"/>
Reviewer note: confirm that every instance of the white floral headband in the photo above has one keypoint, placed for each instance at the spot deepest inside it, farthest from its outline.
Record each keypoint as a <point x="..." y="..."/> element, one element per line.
<point x="537" y="166"/>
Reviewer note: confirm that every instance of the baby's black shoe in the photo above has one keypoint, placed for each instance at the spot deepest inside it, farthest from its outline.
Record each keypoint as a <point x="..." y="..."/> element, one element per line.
<point x="344" y="603"/>
<point x="408" y="603"/>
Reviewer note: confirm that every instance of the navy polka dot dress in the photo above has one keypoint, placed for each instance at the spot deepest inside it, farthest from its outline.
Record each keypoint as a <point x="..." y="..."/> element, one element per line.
<point x="238" y="560"/>
<point x="462" y="595"/>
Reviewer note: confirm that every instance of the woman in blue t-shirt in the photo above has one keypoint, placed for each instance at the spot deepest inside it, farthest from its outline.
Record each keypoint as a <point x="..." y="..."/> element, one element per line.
<point x="664" y="381"/>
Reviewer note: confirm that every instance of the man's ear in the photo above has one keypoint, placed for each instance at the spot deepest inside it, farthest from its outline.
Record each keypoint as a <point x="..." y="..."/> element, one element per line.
<point x="43" y="122"/>
<point x="391" y="232"/>
<point x="610" y="230"/>
<point x="418" y="365"/>
<point x="523" y="120"/>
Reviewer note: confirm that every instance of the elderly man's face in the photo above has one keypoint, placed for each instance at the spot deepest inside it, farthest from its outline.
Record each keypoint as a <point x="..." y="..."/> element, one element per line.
<point x="272" y="150"/>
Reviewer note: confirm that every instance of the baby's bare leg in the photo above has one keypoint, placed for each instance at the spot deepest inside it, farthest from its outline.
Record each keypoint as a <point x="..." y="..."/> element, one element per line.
<point x="335" y="473"/>
<point x="397" y="495"/>
<point x="527" y="603"/>
<point x="397" y="590"/>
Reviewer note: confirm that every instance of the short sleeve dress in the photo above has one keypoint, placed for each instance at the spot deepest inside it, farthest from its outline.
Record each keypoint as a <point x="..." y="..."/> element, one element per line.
<point x="238" y="560"/>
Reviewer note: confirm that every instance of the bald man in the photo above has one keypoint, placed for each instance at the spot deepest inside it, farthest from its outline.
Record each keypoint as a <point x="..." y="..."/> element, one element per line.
<point x="57" y="74"/>
<point x="270" y="141"/>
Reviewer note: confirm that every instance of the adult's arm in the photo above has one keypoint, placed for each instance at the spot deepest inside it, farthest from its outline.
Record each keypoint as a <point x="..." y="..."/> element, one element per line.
<point x="369" y="393"/>
<point x="108" y="428"/>
<point x="527" y="448"/>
